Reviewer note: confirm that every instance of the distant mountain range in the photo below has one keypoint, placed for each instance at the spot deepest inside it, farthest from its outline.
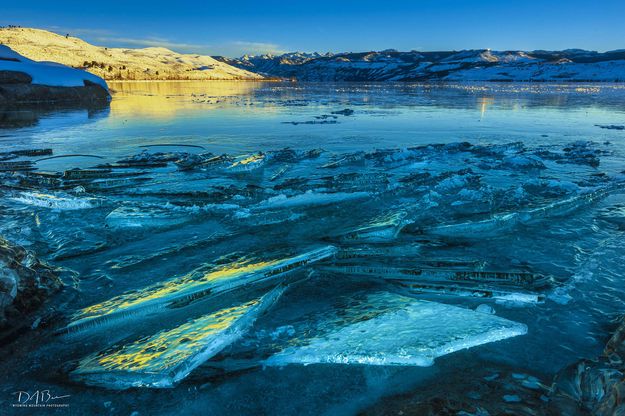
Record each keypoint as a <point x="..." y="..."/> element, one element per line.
<point x="118" y="63"/>
<point x="469" y="65"/>
<point x="156" y="63"/>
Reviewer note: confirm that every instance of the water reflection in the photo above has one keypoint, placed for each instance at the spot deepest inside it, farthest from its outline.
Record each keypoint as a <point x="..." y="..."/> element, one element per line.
<point x="484" y="103"/>
<point x="240" y="116"/>
<point x="165" y="100"/>
<point x="29" y="116"/>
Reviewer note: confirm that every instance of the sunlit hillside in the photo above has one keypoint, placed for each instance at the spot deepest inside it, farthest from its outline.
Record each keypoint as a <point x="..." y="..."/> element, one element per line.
<point x="118" y="63"/>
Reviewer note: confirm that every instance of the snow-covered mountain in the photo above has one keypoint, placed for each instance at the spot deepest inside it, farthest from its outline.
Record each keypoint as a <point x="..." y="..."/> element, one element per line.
<point x="469" y="65"/>
<point x="117" y="63"/>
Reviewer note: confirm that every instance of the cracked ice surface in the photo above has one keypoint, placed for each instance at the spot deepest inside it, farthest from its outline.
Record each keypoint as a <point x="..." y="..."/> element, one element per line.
<point x="450" y="197"/>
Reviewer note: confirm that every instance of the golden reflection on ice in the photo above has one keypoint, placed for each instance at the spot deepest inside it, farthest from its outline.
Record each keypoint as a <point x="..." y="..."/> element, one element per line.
<point x="185" y="283"/>
<point x="250" y="159"/>
<point x="485" y="102"/>
<point x="169" y="348"/>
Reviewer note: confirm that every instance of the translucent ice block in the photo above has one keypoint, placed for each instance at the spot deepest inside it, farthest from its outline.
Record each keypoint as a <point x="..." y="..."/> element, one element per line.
<point x="127" y="217"/>
<point x="165" y="358"/>
<point x="499" y="285"/>
<point x="389" y="329"/>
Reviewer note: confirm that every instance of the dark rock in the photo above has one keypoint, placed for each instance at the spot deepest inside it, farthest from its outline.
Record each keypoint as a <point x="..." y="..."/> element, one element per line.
<point x="12" y="94"/>
<point x="596" y="386"/>
<point x="344" y="112"/>
<point x="14" y="77"/>
<point x="25" y="283"/>
<point x="610" y="126"/>
<point x="616" y="344"/>
<point x="489" y="391"/>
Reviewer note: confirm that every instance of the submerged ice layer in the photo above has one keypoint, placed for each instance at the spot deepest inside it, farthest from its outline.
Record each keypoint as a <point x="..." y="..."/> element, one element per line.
<point x="165" y="358"/>
<point x="407" y="332"/>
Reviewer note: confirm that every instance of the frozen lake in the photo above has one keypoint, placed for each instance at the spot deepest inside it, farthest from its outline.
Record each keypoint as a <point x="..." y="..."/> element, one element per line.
<point x="430" y="200"/>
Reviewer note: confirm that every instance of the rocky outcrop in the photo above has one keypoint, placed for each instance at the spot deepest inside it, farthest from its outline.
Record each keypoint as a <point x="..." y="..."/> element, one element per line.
<point x="596" y="386"/>
<point x="25" y="283"/>
<point x="14" y="77"/>
<point x="23" y="93"/>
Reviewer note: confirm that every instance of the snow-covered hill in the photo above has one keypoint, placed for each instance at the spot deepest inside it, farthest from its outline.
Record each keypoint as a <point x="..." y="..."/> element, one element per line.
<point x="471" y="65"/>
<point x="43" y="73"/>
<point x="24" y="81"/>
<point x="117" y="63"/>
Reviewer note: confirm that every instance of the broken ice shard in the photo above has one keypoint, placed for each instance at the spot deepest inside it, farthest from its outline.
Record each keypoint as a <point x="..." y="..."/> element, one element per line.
<point x="515" y="286"/>
<point x="309" y="198"/>
<point x="86" y="174"/>
<point x="165" y="358"/>
<point x="192" y="287"/>
<point x="248" y="163"/>
<point x="22" y="165"/>
<point x="361" y="181"/>
<point x="380" y="230"/>
<point x="491" y="227"/>
<point x="522" y="279"/>
<point x="55" y="201"/>
<point x="115" y="182"/>
<point x="279" y="173"/>
<point x="345" y="160"/>
<point x="354" y="252"/>
<point x="144" y="217"/>
<point x="564" y="207"/>
<point x="502" y="223"/>
<point x="388" y="329"/>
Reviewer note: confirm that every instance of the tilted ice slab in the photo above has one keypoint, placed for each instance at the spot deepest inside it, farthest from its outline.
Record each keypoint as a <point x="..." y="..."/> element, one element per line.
<point x="127" y="217"/>
<point x="168" y="356"/>
<point x="566" y="206"/>
<point x="59" y="201"/>
<point x="389" y="329"/>
<point x="196" y="285"/>
<point x="248" y="163"/>
<point x="380" y="230"/>
<point x="503" y="223"/>
<point x="310" y="198"/>
<point x="491" y="227"/>
<point x="507" y="286"/>
<point x="160" y="216"/>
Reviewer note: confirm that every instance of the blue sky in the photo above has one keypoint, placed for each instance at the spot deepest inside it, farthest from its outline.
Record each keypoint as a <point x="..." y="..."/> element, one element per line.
<point x="233" y="28"/>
